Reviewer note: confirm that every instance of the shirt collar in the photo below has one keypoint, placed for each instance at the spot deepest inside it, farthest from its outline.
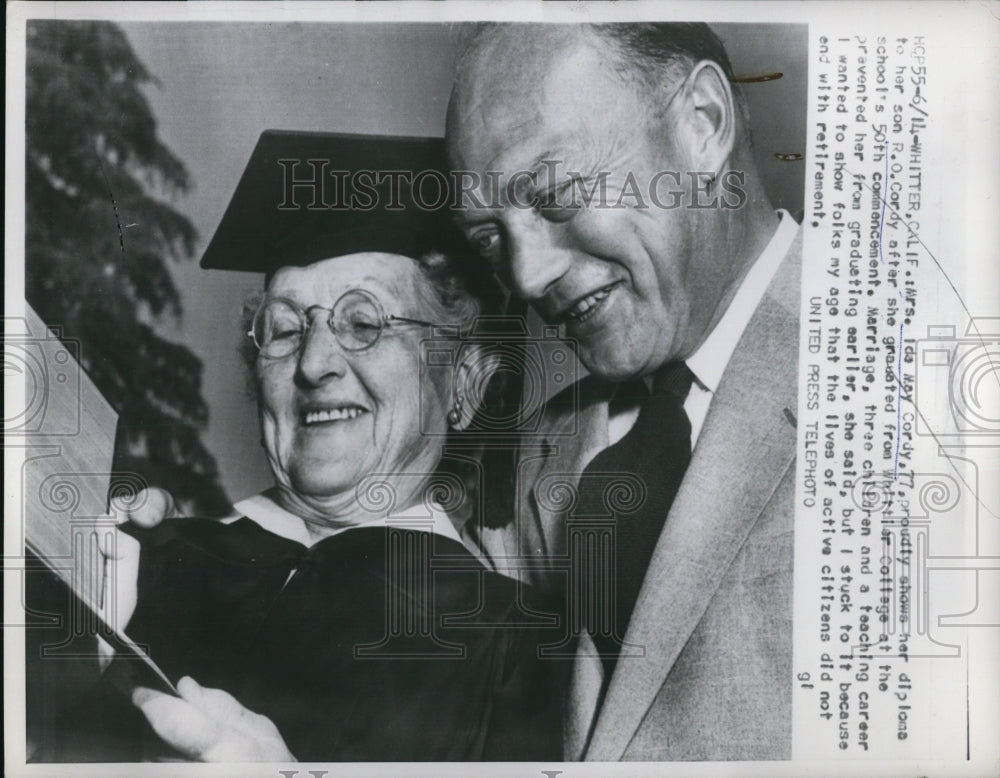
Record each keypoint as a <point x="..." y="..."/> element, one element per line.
<point x="265" y="512"/>
<point x="709" y="362"/>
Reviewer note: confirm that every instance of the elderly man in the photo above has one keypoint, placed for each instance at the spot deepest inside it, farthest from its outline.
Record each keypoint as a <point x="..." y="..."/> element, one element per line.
<point x="693" y="292"/>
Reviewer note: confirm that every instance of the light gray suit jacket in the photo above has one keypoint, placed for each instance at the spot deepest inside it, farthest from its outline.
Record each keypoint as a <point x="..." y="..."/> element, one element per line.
<point x="714" y="616"/>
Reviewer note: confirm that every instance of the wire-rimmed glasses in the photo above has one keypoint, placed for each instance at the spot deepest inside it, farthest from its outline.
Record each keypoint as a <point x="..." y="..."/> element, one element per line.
<point x="356" y="319"/>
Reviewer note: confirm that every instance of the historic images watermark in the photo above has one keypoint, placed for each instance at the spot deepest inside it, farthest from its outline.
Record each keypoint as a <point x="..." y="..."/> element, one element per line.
<point x="313" y="184"/>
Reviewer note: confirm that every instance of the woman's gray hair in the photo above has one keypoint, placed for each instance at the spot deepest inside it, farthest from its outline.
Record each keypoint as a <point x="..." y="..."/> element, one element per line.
<point x="247" y="349"/>
<point x="459" y="296"/>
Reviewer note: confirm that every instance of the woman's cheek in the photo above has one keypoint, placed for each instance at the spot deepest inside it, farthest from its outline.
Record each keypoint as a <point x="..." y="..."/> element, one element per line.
<point x="269" y="438"/>
<point x="273" y="436"/>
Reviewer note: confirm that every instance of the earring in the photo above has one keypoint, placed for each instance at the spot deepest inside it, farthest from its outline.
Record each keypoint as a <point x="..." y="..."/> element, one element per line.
<point x="455" y="414"/>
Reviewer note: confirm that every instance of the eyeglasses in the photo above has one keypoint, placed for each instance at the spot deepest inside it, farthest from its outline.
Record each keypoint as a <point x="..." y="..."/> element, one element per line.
<point x="356" y="319"/>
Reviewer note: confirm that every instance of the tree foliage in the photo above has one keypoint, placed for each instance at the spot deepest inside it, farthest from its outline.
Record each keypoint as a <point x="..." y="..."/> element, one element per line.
<point x="100" y="232"/>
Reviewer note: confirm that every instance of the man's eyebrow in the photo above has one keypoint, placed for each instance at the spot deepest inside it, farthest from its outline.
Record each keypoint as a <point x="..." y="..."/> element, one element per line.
<point x="465" y="217"/>
<point x="494" y="163"/>
<point x="471" y="217"/>
<point x="539" y="159"/>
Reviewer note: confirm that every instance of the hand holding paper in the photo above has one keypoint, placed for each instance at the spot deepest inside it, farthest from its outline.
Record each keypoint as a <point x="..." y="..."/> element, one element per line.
<point x="120" y="554"/>
<point x="121" y="564"/>
<point x="209" y="725"/>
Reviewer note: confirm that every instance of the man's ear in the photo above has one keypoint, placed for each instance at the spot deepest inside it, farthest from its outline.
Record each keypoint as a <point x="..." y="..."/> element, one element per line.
<point x="472" y="377"/>
<point x="710" y="124"/>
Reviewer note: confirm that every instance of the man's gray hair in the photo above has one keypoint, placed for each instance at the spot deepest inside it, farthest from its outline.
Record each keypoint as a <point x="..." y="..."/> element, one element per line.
<point x="649" y="53"/>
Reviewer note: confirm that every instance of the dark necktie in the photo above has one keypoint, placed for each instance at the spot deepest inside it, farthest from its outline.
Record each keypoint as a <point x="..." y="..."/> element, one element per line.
<point x="656" y="451"/>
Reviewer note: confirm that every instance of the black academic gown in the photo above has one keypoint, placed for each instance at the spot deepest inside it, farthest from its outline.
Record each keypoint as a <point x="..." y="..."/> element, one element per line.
<point x="375" y="644"/>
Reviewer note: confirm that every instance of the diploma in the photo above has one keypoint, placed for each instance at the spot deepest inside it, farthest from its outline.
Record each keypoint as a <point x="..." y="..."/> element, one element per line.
<point x="69" y="437"/>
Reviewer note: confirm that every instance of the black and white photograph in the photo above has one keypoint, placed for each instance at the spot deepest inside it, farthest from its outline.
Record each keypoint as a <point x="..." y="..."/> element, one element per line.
<point x="391" y="385"/>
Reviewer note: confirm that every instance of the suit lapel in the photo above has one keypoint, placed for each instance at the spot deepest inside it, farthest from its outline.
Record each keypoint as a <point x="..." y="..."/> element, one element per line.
<point x="580" y="431"/>
<point x="746" y="445"/>
<point x="584" y="432"/>
<point x="575" y="423"/>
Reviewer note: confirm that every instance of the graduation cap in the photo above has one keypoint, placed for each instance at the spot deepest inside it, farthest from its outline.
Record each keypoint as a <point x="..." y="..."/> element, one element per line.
<point x="308" y="196"/>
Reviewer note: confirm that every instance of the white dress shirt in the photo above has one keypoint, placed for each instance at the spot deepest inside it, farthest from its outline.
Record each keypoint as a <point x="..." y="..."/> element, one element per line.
<point x="709" y="362"/>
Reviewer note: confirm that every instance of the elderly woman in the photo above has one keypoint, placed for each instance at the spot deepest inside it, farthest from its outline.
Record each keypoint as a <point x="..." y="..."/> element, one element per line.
<point x="342" y="614"/>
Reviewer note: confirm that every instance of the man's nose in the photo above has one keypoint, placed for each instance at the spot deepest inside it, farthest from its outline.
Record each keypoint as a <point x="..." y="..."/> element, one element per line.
<point x="321" y="356"/>
<point x="538" y="259"/>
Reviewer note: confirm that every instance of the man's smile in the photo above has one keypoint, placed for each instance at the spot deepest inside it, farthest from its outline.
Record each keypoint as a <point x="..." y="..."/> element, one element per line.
<point x="587" y="306"/>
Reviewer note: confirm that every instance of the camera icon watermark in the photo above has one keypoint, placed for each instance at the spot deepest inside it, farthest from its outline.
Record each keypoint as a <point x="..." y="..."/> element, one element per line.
<point x="502" y="349"/>
<point x="48" y="369"/>
<point x="958" y="382"/>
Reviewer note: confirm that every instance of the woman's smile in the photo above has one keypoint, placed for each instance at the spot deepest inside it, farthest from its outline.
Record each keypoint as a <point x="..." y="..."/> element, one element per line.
<point x="333" y="414"/>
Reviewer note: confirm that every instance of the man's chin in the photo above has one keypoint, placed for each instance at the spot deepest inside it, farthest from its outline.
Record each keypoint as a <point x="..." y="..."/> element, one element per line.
<point x="612" y="364"/>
